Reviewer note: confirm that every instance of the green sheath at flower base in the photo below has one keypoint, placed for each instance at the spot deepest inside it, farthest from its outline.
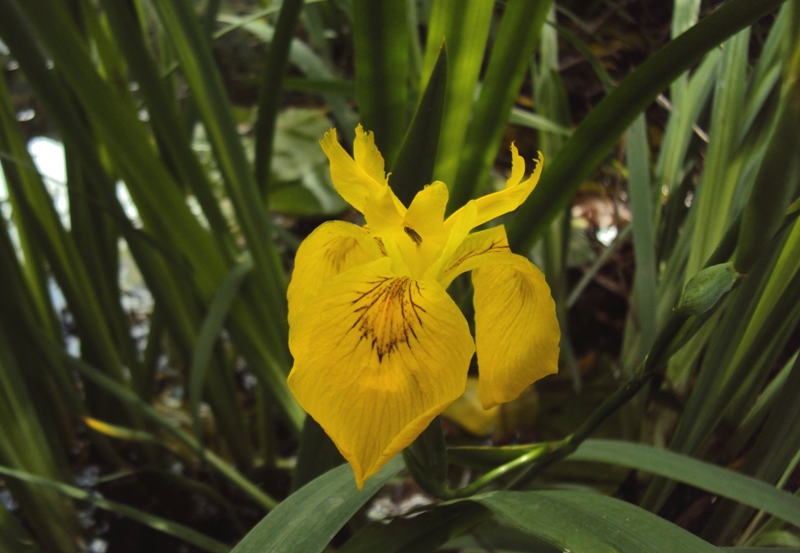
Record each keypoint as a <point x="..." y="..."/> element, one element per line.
<point x="379" y="347"/>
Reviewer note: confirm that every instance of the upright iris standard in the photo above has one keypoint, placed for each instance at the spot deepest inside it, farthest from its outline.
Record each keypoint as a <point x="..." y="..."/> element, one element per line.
<point x="379" y="347"/>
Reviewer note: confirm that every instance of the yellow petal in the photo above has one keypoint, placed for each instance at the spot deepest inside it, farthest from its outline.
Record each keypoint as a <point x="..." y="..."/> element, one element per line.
<point x="367" y="156"/>
<point x="382" y="214"/>
<point x="426" y="213"/>
<point x="376" y="358"/>
<point x="456" y="228"/>
<point x="355" y="179"/>
<point x="474" y="251"/>
<point x="467" y="412"/>
<point x="516" y="329"/>
<point x="420" y="235"/>
<point x="332" y="248"/>
<point x="499" y="203"/>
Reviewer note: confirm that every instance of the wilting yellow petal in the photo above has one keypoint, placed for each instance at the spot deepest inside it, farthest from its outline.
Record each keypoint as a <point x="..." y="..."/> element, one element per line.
<point x="355" y="179"/>
<point x="376" y="358"/>
<point x="516" y="329"/>
<point x="332" y="248"/>
<point x="511" y="197"/>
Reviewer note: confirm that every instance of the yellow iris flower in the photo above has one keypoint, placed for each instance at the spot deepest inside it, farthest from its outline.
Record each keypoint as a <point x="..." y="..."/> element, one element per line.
<point x="379" y="347"/>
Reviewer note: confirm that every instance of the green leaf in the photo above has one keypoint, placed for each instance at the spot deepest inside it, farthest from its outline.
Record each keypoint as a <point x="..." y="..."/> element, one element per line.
<point x="641" y="194"/>
<point x="581" y="521"/>
<point x="307" y="520"/>
<point x="381" y="64"/>
<point x="277" y="60"/>
<point x="493" y="535"/>
<point x="146" y="411"/>
<point x="516" y="40"/>
<point x="759" y="550"/>
<point x="426" y="459"/>
<point x="14" y="537"/>
<point x="776" y="181"/>
<point x="537" y="121"/>
<point x="464" y="27"/>
<point x="312" y="65"/>
<point x="415" y="162"/>
<point x="423" y="533"/>
<point x="594" y="137"/>
<point x="713" y="479"/>
<point x="207" y="337"/>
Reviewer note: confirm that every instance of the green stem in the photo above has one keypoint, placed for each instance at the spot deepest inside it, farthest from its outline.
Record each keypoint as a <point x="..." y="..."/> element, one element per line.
<point x="537" y="452"/>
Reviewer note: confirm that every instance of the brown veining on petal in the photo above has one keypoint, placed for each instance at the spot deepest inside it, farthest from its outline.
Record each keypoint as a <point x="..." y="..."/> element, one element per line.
<point x="380" y="245"/>
<point x="497" y="245"/>
<point x="388" y="316"/>
<point x="337" y="250"/>
<point x="415" y="237"/>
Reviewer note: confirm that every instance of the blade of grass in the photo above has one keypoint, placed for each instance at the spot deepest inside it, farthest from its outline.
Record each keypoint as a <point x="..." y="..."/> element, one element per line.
<point x="594" y="137"/>
<point x="381" y="64"/>
<point x="163" y="208"/>
<point x="175" y="529"/>
<point x="206" y="85"/>
<point x="127" y="397"/>
<point x="588" y="521"/>
<point x="24" y="444"/>
<point x="537" y="121"/>
<point x="417" y="157"/>
<point x="772" y="455"/>
<point x="313" y="66"/>
<point x="331" y="500"/>
<point x="761" y="409"/>
<point x="164" y="115"/>
<point x="684" y="15"/>
<point x="516" y="40"/>
<point x="14" y="537"/>
<point x="720" y="377"/>
<point x="738" y="487"/>
<point x="464" y="27"/>
<point x="277" y="60"/>
<point x="551" y="100"/>
<point x="715" y="197"/>
<point x="35" y="214"/>
<point x="212" y="325"/>
<point x="641" y="198"/>
<point x="672" y="159"/>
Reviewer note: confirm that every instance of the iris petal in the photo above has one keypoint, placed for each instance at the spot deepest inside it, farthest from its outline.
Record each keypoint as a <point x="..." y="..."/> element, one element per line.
<point x="473" y="252"/>
<point x="376" y="357"/>
<point x="332" y="248"/>
<point x="355" y="179"/>
<point x="516" y="329"/>
<point x="367" y="156"/>
<point x="426" y="212"/>
<point x="513" y="195"/>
